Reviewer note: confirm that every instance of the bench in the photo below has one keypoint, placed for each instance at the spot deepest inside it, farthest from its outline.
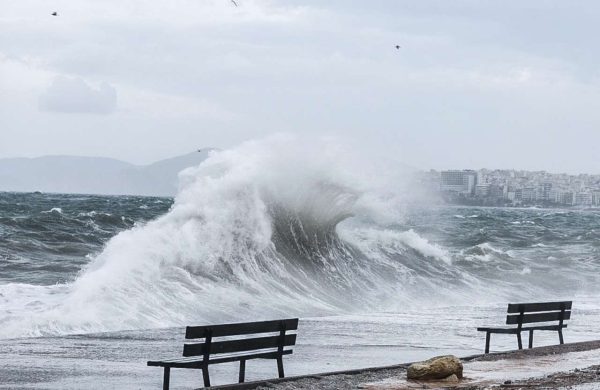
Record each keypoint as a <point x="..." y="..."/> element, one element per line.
<point x="545" y="316"/>
<point x="222" y="344"/>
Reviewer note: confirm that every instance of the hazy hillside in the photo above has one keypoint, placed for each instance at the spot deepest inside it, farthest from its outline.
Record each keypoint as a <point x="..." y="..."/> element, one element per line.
<point x="94" y="175"/>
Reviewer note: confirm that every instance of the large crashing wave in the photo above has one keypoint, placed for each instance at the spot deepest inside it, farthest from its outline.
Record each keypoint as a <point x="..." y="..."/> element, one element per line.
<point x="253" y="233"/>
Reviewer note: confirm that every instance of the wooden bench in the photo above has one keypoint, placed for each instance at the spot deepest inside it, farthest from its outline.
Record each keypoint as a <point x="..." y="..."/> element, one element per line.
<point x="546" y="316"/>
<point x="214" y="349"/>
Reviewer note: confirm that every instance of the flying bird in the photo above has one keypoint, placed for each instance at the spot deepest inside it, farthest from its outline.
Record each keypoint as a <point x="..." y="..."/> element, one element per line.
<point x="398" y="46"/>
<point x="234" y="3"/>
<point x="54" y="13"/>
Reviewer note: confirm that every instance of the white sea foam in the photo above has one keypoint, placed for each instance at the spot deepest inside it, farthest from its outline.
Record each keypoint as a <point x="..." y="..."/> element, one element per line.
<point x="88" y="214"/>
<point x="484" y="253"/>
<point x="487" y="247"/>
<point x="57" y="210"/>
<point x="526" y="271"/>
<point x="423" y="246"/>
<point x="371" y="238"/>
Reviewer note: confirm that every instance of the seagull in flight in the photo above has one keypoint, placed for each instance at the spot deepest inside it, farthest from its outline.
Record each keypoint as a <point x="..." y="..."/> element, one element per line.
<point x="234" y="3"/>
<point x="54" y="13"/>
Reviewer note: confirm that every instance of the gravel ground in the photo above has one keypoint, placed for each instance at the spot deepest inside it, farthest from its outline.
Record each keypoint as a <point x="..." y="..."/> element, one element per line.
<point x="562" y="380"/>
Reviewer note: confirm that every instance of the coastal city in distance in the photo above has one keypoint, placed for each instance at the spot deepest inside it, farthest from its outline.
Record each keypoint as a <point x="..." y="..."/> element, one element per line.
<point x="514" y="188"/>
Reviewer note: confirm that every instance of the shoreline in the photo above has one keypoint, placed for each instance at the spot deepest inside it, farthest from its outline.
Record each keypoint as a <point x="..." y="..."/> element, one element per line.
<point x="393" y="377"/>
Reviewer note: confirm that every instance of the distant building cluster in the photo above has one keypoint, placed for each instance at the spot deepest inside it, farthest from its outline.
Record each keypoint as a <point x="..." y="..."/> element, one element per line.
<point x="515" y="188"/>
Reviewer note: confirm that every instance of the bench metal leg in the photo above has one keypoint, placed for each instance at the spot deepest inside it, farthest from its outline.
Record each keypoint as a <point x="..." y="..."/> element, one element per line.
<point x="519" y="340"/>
<point x="205" y="376"/>
<point x="560" y="336"/>
<point x="280" y="366"/>
<point x="242" y="371"/>
<point x="166" y="378"/>
<point x="531" y="339"/>
<point x="487" y="342"/>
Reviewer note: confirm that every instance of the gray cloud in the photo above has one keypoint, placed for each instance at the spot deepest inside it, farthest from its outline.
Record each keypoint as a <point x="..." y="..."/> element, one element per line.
<point x="476" y="84"/>
<point x="74" y="95"/>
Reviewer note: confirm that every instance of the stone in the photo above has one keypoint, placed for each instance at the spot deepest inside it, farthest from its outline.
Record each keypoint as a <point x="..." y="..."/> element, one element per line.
<point x="439" y="367"/>
<point x="450" y="379"/>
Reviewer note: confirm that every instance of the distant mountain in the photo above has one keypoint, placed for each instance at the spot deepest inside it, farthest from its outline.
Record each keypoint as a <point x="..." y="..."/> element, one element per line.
<point x="95" y="175"/>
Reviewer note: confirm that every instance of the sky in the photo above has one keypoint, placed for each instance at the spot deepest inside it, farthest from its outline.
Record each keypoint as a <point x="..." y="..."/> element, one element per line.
<point x="475" y="84"/>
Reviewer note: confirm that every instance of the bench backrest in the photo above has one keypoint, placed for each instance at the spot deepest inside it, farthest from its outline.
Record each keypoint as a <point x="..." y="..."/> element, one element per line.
<point x="278" y="339"/>
<point x="527" y="313"/>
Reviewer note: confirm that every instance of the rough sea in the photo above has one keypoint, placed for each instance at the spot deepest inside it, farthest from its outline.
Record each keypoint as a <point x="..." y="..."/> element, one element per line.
<point x="91" y="287"/>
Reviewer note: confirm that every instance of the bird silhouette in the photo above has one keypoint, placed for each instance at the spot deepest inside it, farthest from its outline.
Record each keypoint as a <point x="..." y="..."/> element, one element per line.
<point x="234" y="3"/>
<point x="398" y="46"/>
<point x="54" y="13"/>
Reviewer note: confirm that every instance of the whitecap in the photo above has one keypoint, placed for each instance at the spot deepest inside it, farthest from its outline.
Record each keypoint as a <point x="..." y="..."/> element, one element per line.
<point x="57" y="210"/>
<point x="525" y="271"/>
<point x="88" y="214"/>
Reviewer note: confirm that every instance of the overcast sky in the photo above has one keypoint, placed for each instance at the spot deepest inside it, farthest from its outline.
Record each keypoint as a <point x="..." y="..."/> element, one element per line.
<point x="496" y="84"/>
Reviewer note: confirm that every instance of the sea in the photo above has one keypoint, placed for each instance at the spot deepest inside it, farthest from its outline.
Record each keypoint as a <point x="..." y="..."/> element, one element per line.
<point x="91" y="287"/>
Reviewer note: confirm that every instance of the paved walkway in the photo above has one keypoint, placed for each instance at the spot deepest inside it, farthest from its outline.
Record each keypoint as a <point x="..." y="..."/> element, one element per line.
<point x="558" y="366"/>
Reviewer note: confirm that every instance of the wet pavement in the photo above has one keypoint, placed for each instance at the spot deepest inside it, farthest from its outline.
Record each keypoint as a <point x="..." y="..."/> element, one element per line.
<point x="568" y="366"/>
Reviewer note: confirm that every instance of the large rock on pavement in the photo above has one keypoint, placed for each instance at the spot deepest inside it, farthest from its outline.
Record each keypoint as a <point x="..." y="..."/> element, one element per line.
<point x="436" y="368"/>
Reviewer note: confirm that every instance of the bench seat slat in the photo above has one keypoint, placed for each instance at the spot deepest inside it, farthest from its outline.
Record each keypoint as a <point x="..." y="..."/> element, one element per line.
<point x="179" y="360"/>
<point x="497" y="330"/>
<point x="238" y="345"/>
<point x="523" y="329"/>
<point x="198" y="362"/>
<point x="176" y="364"/>
<point x="242" y="328"/>
<point x="537" y="317"/>
<point x="539" y="306"/>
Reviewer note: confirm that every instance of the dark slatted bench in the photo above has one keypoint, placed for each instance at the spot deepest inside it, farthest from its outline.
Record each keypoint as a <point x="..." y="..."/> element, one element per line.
<point x="233" y="348"/>
<point x="547" y="316"/>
